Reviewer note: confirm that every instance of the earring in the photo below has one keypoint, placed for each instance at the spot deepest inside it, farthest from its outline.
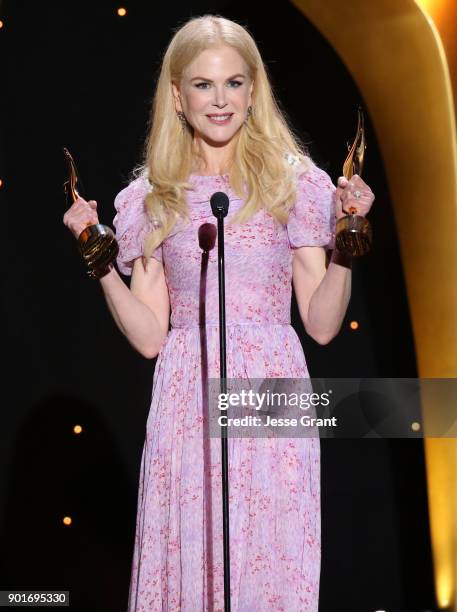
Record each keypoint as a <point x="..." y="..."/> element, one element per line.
<point x="249" y="113"/>
<point x="182" y="119"/>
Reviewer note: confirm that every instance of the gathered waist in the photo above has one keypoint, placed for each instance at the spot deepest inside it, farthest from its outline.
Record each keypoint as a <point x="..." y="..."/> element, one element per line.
<point x="233" y="324"/>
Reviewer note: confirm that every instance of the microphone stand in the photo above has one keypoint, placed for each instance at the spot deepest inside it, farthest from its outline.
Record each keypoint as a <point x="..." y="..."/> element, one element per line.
<point x="219" y="205"/>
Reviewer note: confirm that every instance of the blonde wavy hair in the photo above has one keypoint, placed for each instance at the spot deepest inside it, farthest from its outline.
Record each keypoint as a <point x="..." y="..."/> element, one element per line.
<point x="260" y="172"/>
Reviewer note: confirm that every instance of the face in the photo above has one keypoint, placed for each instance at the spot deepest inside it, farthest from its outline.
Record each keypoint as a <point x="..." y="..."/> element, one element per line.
<point x="214" y="94"/>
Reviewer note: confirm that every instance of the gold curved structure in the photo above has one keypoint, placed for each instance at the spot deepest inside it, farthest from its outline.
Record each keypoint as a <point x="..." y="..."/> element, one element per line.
<point x="399" y="53"/>
<point x="353" y="232"/>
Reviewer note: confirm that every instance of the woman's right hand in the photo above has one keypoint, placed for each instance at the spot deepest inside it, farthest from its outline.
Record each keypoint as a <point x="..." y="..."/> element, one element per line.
<point x="80" y="215"/>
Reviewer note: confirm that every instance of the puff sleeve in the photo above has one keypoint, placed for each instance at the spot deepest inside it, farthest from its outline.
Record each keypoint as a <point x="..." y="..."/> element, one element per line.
<point x="312" y="219"/>
<point x="132" y="225"/>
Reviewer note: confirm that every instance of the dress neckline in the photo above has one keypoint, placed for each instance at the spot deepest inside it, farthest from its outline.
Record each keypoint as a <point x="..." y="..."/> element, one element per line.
<point x="208" y="175"/>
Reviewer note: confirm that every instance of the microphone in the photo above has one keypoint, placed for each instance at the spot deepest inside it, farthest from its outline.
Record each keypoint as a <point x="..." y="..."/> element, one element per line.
<point x="219" y="204"/>
<point x="207" y="236"/>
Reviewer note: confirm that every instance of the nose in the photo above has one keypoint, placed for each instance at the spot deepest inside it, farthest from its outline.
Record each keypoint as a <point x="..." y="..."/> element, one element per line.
<point x="220" y="100"/>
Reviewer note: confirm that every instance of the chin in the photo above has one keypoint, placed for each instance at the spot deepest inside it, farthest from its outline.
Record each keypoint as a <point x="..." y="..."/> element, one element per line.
<point x="219" y="142"/>
<point x="218" y="137"/>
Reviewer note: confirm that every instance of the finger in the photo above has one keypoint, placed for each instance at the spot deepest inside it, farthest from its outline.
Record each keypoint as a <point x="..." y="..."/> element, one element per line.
<point x="349" y="208"/>
<point x="85" y="216"/>
<point x="360" y="198"/>
<point x="342" y="181"/>
<point x="360" y="207"/>
<point x="78" y="206"/>
<point x="87" y="222"/>
<point x="92" y="218"/>
<point x="357" y="184"/>
<point x="348" y="202"/>
<point x="357" y="181"/>
<point x="92" y="204"/>
<point x="338" y="203"/>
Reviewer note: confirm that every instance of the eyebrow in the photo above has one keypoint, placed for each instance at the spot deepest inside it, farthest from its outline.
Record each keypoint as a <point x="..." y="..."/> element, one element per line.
<point x="210" y="81"/>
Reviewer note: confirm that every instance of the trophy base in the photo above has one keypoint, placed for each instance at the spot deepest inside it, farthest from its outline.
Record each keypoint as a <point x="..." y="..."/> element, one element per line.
<point x="353" y="235"/>
<point x="99" y="248"/>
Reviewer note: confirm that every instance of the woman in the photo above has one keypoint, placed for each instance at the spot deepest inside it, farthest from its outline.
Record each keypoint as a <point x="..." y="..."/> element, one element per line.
<point x="215" y="126"/>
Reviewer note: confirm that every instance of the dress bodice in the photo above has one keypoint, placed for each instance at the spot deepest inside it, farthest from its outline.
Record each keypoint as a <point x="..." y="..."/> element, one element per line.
<point x="258" y="253"/>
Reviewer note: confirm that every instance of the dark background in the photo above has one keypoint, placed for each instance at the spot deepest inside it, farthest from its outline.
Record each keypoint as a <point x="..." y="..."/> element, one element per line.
<point x="79" y="76"/>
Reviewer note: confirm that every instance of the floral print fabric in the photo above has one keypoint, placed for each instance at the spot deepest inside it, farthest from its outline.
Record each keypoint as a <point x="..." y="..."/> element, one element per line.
<point x="274" y="490"/>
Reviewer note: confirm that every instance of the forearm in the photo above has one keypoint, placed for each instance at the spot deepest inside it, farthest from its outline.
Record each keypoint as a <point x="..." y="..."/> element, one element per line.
<point x="135" y="319"/>
<point x="328" y="304"/>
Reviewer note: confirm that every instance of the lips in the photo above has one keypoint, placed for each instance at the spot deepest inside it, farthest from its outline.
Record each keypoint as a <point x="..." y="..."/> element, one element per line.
<point x="220" y="119"/>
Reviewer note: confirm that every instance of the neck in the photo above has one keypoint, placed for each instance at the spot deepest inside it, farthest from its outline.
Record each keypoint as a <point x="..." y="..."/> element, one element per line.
<point x="212" y="158"/>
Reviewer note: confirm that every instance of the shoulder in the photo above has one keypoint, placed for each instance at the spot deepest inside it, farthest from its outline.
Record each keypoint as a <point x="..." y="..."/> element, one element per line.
<point x="314" y="186"/>
<point x="136" y="190"/>
<point x="129" y="203"/>
<point x="130" y="208"/>
<point x="309" y="174"/>
<point x="312" y="218"/>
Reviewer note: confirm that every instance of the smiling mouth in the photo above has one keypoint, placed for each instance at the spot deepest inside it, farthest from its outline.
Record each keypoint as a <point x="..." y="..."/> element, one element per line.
<point x="225" y="118"/>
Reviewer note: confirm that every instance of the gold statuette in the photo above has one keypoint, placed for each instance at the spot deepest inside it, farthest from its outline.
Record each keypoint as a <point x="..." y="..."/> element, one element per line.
<point x="353" y="232"/>
<point x="97" y="243"/>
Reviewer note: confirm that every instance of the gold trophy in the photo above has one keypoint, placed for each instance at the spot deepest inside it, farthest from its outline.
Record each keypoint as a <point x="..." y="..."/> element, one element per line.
<point x="97" y="243"/>
<point x="353" y="232"/>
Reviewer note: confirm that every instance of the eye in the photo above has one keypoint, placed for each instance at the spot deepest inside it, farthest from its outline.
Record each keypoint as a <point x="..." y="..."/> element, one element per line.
<point x="199" y="85"/>
<point x="235" y="84"/>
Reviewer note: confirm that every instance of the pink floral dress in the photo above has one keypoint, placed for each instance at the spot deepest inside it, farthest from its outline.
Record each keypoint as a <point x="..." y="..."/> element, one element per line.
<point x="274" y="491"/>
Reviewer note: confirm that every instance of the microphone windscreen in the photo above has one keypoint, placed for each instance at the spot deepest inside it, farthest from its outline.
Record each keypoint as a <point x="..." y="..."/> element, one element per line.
<point x="207" y="236"/>
<point x="219" y="204"/>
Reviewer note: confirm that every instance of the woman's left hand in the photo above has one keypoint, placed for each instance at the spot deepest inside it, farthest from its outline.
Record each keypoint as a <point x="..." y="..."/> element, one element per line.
<point x="353" y="196"/>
